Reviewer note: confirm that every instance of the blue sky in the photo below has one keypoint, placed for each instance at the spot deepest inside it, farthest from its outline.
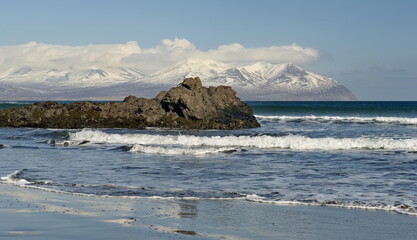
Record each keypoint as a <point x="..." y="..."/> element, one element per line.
<point x="368" y="46"/>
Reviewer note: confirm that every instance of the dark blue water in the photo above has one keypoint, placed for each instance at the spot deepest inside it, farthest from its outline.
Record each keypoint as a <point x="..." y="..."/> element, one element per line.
<point x="348" y="154"/>
<point x="364" y="109"/>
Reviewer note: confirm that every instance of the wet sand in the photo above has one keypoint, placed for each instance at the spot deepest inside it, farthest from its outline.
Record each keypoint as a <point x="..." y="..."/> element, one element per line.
<point x="37" y="214"/>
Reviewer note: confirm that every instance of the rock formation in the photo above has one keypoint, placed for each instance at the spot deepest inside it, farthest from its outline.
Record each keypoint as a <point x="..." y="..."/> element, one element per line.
<point x="187" y="106"/>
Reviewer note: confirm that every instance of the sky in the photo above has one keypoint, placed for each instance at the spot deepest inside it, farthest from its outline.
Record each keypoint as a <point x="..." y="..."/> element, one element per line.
<point x="368" y="46"/>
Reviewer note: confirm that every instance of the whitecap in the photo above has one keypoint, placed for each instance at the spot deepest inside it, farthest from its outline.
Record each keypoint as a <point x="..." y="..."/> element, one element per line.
<point x="291" y="142"/>
<point x="175" y="150"/>
<point x="398" y="208"/>
<point x="388" y="120"/>
<point x="14" y="179"/>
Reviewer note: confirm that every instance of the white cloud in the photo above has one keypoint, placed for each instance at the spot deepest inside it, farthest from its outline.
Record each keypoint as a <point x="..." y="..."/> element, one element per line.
<point x="47" y="55"/>
<point x="169" y="52"/>
<point x="275" y="54"/>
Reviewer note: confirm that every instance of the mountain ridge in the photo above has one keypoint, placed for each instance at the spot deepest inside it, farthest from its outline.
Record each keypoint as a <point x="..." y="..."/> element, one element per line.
<point x="256" y="81"/>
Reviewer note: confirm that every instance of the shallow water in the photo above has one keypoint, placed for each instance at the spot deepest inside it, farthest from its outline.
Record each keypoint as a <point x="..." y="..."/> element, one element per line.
<point x="348" y="154"/>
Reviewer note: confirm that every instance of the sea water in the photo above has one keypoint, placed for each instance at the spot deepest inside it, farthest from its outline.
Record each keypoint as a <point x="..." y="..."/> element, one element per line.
<point x="339" y="154"/>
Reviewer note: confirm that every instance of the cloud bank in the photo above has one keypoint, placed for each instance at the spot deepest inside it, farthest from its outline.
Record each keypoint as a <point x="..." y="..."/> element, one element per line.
<point x="130" y="54"/>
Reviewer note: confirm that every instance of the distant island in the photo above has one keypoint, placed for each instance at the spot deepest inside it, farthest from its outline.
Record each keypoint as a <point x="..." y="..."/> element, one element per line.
<point x="187" y="106"/>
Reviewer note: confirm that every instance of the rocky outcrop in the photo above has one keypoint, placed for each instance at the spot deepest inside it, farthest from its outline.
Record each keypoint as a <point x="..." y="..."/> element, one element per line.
<point x="187" y="106"/>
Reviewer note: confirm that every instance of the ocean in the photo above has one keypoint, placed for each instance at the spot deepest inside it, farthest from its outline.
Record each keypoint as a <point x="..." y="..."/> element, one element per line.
<point x="337" y="154"/>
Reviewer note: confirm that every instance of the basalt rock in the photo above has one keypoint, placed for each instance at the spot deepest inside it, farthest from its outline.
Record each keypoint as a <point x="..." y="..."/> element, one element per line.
<point x="187" y="106"/>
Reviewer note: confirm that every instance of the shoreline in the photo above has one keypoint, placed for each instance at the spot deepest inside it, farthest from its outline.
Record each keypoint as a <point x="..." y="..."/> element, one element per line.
<point x="397" y="209"/>
<point x="35" y="214"/>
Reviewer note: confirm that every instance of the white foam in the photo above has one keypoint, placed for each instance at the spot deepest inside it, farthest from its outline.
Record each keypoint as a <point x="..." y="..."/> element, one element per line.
<point x="389" y="120"/>
<point x="402" y="209"/>
<point x="292" y="142"/>
<point x="14" y="179"/>
<point x="178" y="150"/>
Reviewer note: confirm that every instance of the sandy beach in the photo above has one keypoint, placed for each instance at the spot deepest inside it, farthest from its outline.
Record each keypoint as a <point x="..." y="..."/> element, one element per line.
<point x="37" y="214"/>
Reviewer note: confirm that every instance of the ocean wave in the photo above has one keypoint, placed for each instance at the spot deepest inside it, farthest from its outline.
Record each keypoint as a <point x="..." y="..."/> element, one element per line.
<point x="67" y="143"/>
<point x="179" y="150"/>
<point x="388" y="120"/>
<point x="290" y="142"/>
<point x="115" y="191"/>
<point x="398" y="208"/>
<point x="15" y="179"/>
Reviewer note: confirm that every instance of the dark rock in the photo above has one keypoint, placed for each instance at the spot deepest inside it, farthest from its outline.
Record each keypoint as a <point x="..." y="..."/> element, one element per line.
<point x="188" y="106"/>
<point x="193" y="84"/>
<point x="186" y="232"/>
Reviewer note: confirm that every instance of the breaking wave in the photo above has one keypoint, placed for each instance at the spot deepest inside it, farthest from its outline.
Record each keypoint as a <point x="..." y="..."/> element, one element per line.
<point x="179" y="150"/>
<point x="398" y="208"/>
<point x="15" y="179"/>
<point x="191" y="144"/>
<point x="388" y="120"/>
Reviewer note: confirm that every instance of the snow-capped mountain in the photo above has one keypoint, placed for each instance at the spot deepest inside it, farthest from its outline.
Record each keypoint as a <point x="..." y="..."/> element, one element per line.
<point x="264" y="81"/>
<point x="188" y="68"/>
<point x="70" y="77"/>
<point x="259" y="81"/>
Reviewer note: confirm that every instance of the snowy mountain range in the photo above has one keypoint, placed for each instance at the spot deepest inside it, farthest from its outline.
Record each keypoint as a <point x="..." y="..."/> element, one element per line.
<point x="259" y="81"/>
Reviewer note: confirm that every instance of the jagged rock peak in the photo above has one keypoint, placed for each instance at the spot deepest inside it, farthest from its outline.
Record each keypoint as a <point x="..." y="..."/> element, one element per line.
<point x="192" y="83"/>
